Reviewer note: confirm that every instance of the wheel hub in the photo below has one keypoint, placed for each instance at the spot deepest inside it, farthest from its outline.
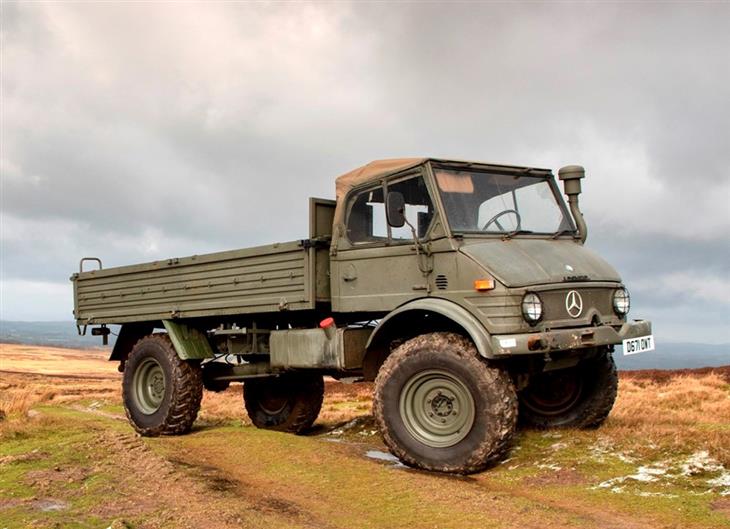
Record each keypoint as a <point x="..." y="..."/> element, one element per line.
<point x="149" y="386"/>
<point x="443" y="405"/>
<point x="437" y="408"/>
<point x="157" y="385"/>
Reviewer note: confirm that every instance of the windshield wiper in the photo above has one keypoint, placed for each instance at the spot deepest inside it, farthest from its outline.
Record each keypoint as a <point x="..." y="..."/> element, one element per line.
<point x="515" y="232"/>
<point x="562" y="232"/>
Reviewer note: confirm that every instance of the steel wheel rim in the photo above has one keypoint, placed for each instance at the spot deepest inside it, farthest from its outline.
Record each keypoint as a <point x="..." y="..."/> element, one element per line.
<point x="149" y="386"/>
<point x="437" y="408"/>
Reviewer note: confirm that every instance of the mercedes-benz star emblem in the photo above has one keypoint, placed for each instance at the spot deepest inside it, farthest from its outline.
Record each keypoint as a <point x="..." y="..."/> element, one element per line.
<point x="573" y="304"/>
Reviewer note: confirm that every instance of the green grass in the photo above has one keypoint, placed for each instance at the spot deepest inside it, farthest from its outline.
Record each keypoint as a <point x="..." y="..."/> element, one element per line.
<point x="61" y="445"/>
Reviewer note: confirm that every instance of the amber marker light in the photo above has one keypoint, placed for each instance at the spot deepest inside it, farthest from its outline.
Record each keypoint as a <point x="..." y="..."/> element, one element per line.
<point x="482" y="285"/>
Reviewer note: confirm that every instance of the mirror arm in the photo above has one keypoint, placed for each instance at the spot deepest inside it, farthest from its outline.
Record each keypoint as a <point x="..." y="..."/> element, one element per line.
<point x="420" y="250"/>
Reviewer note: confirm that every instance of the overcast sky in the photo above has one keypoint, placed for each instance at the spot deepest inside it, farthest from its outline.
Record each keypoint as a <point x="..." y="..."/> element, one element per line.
<point x="138" y="131"/>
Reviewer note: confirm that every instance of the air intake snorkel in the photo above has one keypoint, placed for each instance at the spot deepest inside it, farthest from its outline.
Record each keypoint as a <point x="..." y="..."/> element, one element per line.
<point x="571" y="176"/>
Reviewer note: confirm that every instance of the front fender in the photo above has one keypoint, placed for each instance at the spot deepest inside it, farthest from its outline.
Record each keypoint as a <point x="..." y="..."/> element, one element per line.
<point x="447" y="309"/>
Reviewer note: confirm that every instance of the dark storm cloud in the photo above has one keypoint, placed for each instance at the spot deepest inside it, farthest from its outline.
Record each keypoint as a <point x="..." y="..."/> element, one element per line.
<point x="138" y="131"/>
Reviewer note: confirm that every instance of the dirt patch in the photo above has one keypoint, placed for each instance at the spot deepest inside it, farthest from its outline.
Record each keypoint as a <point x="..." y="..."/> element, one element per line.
<point x="35" y="455"/>
<point x="563" y="476"/>
<point x="6" y="504"/>
<point x="722" y="505"/>
<point x="278" y="506"/>
<point x="42" y="480"/>
<point x="211" y="477"/>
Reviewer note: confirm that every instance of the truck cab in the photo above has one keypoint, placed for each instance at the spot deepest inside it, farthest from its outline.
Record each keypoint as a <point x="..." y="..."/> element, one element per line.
<point x="492" y="246"/>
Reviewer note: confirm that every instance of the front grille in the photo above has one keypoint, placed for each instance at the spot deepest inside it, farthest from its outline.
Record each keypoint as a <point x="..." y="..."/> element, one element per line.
<point x="595" y="304"/>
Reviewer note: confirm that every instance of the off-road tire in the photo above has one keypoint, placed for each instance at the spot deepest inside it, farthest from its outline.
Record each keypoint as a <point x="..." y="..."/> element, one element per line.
<point x="493" y="401"/>
<point x="183" y="388"/>
<point x="287" y="403"/>
<point x="597" y="382"/>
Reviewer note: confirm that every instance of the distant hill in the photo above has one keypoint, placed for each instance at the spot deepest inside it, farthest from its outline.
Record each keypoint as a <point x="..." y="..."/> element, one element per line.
<point x="673" y="355"/>
<point x="668" y="355"/>
<point x="53" y="333"/>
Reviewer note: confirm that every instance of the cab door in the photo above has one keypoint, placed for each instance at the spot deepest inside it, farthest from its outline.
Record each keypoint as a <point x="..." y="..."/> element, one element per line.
<point x="377" y="267"/>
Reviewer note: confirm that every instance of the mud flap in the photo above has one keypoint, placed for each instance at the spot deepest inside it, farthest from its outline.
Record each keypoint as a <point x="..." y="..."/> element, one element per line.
<point x="189" y="342"/>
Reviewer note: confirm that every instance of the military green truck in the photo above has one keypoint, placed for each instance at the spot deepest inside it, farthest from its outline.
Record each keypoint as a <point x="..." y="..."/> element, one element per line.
<point x="464" y="290"/>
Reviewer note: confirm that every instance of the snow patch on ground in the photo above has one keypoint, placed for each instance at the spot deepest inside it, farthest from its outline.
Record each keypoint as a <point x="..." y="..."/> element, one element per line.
<point x="677" y="471"/>
<point x="700" y="463"/>
<point x="384" y="456"/>
<point x="604" y="449"/>
<point x="721" y="482"/>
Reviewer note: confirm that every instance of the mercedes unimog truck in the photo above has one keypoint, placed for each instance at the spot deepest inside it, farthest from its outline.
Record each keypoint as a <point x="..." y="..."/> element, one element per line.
<point x="462" y="289"/>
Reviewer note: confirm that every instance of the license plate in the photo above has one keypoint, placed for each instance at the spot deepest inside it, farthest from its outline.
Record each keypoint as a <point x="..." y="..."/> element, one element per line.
<point x="641" y="344"/>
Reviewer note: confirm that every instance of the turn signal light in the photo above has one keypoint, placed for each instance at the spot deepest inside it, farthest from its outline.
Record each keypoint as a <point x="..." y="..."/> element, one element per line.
<point x="481" y="285"/>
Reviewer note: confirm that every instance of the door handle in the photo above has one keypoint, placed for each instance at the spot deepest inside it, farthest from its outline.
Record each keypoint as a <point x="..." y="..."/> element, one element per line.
<point x="350" y="273"/>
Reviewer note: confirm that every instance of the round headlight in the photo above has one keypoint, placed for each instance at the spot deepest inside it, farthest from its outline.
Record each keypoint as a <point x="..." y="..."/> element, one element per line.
<point x="532" y="308"/>
<point x="621" y="301"/>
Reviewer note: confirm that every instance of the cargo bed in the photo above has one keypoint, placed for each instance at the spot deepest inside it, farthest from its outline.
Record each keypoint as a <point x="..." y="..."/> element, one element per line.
<point x="263" y="279"/>
<point x="272" y="278"/>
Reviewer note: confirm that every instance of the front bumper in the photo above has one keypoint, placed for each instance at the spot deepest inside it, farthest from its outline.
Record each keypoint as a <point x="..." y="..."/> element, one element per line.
<point x="566" y="339"/>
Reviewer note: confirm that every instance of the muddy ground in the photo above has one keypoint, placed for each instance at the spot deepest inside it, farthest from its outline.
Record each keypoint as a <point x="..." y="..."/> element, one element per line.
<point x="68" y="459"/>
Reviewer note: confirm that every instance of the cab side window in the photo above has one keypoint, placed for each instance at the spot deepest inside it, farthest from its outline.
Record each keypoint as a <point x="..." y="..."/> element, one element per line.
<point x="419" y="207"/>
<point x="366" y="220"/>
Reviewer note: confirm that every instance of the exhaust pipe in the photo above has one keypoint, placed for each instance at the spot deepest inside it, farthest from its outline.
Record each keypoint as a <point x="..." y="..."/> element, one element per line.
<point x="571" y="176"/>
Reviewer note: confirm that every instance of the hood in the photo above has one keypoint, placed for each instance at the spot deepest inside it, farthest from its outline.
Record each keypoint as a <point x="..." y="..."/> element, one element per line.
<point x="523" y="262"/>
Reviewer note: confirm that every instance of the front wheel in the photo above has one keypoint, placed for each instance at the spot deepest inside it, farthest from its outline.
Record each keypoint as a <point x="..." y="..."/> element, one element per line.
<point x="440" y="407"/>
<point x="162" y="393"/>
<point x="289" y="403"/>
<point x="577" y="397"/>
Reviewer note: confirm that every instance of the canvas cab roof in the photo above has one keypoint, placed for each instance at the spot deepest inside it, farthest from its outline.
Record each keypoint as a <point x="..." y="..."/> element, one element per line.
<point x="377" y="169"/>
<point x="380" y="168"/>
<point x="372" y="171"/>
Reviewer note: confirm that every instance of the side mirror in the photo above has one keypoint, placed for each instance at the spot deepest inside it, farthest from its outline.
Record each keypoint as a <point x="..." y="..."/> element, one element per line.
<point x="395" y="209"/>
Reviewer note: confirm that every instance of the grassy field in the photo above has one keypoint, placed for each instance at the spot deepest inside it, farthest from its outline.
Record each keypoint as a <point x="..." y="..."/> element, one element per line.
<point x="68" y="459"/>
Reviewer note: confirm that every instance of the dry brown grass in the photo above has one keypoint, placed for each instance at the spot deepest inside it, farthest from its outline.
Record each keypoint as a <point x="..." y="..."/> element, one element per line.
<point x="55" y="361"/>
<point x="32" y="375"/>
<point x="684" y="412"/>
<point x="18" y="401"/>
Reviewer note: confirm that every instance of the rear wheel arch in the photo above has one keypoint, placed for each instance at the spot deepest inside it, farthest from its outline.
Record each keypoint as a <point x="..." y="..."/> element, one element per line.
<point x="129" y="335"/>
<point x="421" y="317"/>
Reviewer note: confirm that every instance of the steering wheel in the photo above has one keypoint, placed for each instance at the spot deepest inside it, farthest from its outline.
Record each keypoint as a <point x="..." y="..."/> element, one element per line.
<point x="500" y="214"/>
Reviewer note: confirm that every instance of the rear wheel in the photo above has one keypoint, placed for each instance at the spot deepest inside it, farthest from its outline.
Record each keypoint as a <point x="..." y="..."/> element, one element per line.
<point x="288" y="403"/>
<point x="440" y="407"/>
<point x="577" y="397"/>
<point x="161" y="392"/>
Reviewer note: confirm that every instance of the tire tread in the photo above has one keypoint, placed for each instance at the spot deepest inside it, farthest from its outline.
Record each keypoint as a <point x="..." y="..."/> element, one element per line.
<point x="186" y="395"/>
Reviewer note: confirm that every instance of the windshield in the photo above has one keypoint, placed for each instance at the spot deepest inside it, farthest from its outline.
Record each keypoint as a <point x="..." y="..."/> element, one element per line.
<point x="500" y="203"/>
